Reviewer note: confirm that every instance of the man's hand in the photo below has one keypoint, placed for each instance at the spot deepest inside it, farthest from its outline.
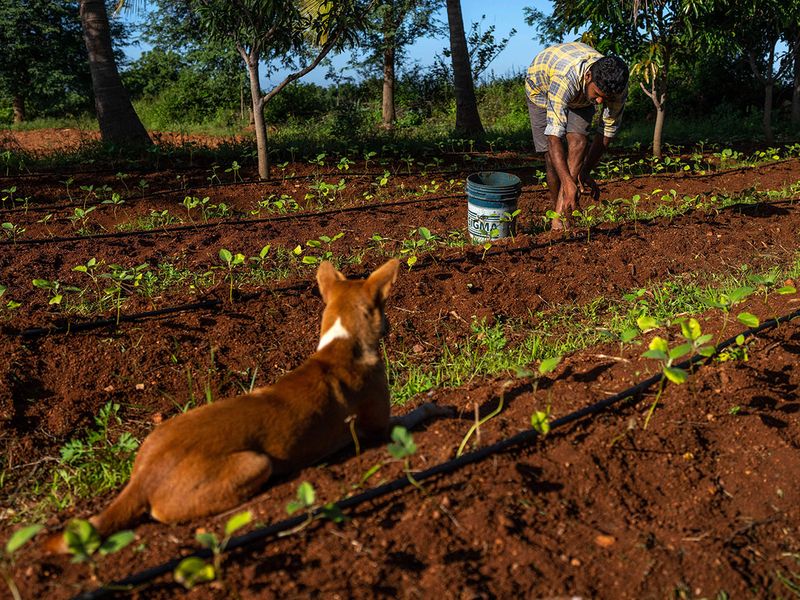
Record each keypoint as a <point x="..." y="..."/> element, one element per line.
<point x="588" y="185"/>
<point x="566" y="204"/>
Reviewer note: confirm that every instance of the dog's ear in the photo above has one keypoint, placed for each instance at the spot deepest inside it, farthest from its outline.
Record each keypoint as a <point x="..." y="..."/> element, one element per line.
<point x="380" y="282"/>
<point x="327" y="275"/>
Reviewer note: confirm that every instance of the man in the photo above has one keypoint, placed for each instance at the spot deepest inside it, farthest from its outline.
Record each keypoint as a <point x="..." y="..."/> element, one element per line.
<point x="564" y="85"/>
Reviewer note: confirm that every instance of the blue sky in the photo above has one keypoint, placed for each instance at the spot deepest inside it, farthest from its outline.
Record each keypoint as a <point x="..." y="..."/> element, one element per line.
<point x="504" y="15"/>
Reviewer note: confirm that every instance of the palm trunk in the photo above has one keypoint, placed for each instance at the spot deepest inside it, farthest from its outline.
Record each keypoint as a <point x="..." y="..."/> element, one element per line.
<point x="468" y="121"/>
<point x="18" y="104"/>
<point x="119" y="123"/>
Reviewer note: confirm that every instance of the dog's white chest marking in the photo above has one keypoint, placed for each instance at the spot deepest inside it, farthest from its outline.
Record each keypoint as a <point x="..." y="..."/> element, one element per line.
<point x="336" y="331"/>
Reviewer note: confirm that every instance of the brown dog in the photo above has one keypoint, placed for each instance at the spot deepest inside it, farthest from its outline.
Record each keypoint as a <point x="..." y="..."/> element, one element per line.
<point x="217" y="456"/>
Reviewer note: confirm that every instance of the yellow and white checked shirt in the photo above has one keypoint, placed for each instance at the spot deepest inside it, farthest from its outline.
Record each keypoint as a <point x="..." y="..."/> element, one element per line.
<point x="555" y="81"/>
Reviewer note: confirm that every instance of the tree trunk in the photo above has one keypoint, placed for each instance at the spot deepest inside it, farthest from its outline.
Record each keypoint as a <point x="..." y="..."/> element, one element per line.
<point x="468" y="121"/>
<point x="796" y="82"/>
<point x="119" y="123"/>
<point x="258" y="115"/>
<point x="18" y="103"/>
<point x="768" y="136"/>
<point x="387" y="105"/>
<point x="658" y="131"/>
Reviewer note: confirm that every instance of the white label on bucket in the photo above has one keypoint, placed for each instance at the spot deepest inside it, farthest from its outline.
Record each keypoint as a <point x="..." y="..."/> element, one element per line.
<point x="488" y="223"/>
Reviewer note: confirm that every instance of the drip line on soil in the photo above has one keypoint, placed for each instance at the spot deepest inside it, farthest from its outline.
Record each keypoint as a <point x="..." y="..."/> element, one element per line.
<point x="195" y="226"/>
<point x="98" y="323"/>
<point x="707" y="174"/>
<point x="525" y="437"/>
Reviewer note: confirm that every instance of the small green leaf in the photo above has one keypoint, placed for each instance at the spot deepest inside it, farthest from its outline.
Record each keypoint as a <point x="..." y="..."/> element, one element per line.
<point x="117" y="542"/>
<point x="680" y="350"/>
<point x="370" y="472"/>
<point x="193" y="570"/>
<point x="703" y="339"/>
<point x="306" y="493"/>
<point x="706" y="351"/>
<point x="748" y="319"/>
<point x="225" y="255"/>
<point x="21" y="537"/>
<point x="660" y="344"/>
<point x="207" y="540"/>
<point x="787" y="289"/>
<point x="56" y="299"/>
<point x="41" y="283"/>
<point x="548" y="364"/>
<point x="646" y="323"/>
<point x="691" y="329"/>
<point x="298" y="250"/>
<point x="656" y="355"/>
<point x="540" y="421"/>
<point x="332" y="512"/>
<point x="309" y="260"/>
<point x="629" y="335"/>
<point x="675" y="375"/>
<point x="402" y="444"/>
<point x="739" y="339"/>
<point x="740" y="294"/>
<point x="82" y="539"/>
<point x="237" y="521"/>
<point x="411" y="261"/>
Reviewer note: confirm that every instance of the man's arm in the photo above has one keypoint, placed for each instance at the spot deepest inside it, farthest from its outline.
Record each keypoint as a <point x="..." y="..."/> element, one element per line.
<point x="568" y="197"/>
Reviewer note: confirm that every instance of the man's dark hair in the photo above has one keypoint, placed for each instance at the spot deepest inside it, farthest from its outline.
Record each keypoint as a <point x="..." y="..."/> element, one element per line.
<point x="610" y="73"/>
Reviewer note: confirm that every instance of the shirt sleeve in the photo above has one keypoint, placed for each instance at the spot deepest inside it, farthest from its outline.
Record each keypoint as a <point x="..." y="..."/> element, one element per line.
<point x="612" y="117"/>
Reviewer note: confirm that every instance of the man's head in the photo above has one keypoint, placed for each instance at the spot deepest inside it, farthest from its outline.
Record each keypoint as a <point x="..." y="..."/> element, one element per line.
<point x="610" y="75"/>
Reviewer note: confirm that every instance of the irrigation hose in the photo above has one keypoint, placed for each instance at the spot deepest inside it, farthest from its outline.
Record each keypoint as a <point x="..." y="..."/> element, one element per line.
<point x="525" y="437"/>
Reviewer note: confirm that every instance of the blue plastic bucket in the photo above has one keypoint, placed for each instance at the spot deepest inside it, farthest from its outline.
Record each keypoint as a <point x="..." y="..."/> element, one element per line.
<point x="491" y="201"/>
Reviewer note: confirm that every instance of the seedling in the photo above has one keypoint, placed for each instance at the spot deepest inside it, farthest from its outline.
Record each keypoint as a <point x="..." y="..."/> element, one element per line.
<point x="510" y="218"/>
<point x="89" y="269"/>
<point x="193" y="570"/>
<point x="11" y="304"/>
<point x="306" y="499"/>
<point x="12" y="231"/>
<point x="403" y="448"/>
<point x="367" y="157"/>
<point x="344" y="164"/>
<point x="413" y="247"/>
<point x="116" y="201"/>
<point x="143" y="185"/>
<point x="81" y="215"/>
<point x="660" y="351"/>
<point x="8" y="195"/>
<point x="327" y="254"/>
<point x="587" y="219"/>
<point x="18" y="539"/>
<point x="737" y="352"/>
<point x="84" y="542"/>
<point x="123" y="180"/>
<point x="122" y="279"/>
<point x="55" y="288"/>
<point x="725" y="302"/>
<point x="231" y="261"/>
<point x="214" y="177"/>
<point x="234" y="168"/>
<point x="262" y="255"/>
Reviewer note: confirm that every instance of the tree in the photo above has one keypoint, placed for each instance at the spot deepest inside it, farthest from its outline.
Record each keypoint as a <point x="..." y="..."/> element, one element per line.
<point x="119" y="123"/>
<point x="390" y="28"/>
<point x="468" y="121"/>
<point x="43" y="62"/>
<point x="297" y="34"/>
<point x="652" y="35"/>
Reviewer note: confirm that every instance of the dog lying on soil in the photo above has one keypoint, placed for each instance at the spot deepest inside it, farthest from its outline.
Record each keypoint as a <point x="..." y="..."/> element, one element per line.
<point x="215" y="457"/>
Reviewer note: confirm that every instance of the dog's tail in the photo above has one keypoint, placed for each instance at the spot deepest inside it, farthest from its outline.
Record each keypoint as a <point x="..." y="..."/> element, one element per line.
<point x="126" y="509"/>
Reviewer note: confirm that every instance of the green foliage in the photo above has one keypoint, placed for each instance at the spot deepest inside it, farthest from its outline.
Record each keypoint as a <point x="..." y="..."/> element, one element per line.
<point x="18" y="539"/>
<point x="95" y="462"/>
<point x="402" y="445"/>
<point x="306" y="496"/>
<point x="193" y="570"/>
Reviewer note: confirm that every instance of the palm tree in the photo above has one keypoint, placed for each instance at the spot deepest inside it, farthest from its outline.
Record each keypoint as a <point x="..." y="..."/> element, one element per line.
<point x="468" y="121"/>
<point x="119" y="123"/>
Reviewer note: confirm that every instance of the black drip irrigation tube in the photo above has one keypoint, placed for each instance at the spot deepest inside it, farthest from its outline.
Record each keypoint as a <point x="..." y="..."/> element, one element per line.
<point x="523" y="438"/>
<point x="245" y="222"/>
<point x="202" y="305"/>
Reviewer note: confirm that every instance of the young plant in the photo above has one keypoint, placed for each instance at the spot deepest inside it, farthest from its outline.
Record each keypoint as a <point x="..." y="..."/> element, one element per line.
<point x="725" y="302"/>
<point x="327" y="254"/>
<point x="412" y="247"/>
<point x="659" y="350"/>
<point x="81" y="215"/>
<point x="403" y="448"/>
<point x="231" y="261"/>
<point x="12" y="231"/>
<point x="510" y="218"/>
<point x="122" y="280"/>
<point x="83" y="543"/>
<point x="193" y="570"/>
<point x="55" y="288"/>
<point x="234" y="168"/>
<point x="18" y="539"/>
<point x="116" y="201"/>
<point x="587" y="219"/>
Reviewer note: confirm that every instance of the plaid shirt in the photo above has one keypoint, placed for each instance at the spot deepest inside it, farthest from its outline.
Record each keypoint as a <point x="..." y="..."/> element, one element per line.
<point x="555" y="81"/>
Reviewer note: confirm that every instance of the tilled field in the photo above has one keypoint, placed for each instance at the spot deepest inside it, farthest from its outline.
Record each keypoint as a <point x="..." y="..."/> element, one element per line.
<point x="703" y="502"/>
